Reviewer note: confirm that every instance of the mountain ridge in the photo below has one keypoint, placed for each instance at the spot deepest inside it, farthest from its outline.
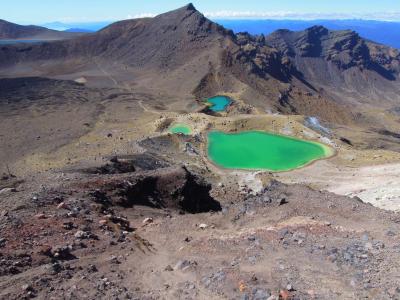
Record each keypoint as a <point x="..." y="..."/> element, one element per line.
<point x="368" y="29"/>
<point x="292" y="72"/>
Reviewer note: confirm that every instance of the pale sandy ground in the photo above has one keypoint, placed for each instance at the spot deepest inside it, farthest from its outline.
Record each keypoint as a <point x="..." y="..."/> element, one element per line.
<point x="378" y="185"/>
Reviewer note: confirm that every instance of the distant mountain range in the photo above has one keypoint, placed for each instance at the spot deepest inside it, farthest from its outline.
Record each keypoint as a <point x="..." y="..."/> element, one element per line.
<point x="13" y="31"/>
<point x="82" y="27"/>
<point x="371" y="30"/>
<point x="387" y="33"/>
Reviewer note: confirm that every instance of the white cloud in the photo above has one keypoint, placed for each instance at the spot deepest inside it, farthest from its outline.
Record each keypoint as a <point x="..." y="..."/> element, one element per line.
<point x="277" y="15"/>
<point x="383" y="16"/>
<point x="245" y="14"/>
<point x="141" y="15"/>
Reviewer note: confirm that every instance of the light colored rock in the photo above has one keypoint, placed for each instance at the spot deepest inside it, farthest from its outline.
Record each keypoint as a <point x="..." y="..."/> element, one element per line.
<point x="62" y="205"/>
<point x="203" y="226"/>
<point x="81" y="234"/>
<point x="81" y="80"/>
<point x="6" y="190"/>
<point x="103" y="222"/>
<point x="148" y="221"/>
<point x="26" y="287"/>
<point x="40" y="216"/>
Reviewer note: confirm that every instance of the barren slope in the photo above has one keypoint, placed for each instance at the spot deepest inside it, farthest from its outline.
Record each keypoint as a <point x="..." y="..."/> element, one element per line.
<point x="342" y="64"/>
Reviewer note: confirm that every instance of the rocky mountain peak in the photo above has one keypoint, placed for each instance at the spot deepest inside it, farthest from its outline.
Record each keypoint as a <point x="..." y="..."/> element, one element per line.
<point x="317" y="30"/>
<point x="183" y="11"/>
<point x="190" y="7"/>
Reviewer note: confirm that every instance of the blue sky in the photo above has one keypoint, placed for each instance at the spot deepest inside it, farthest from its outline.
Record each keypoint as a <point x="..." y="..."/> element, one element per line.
<point x="42" y="11"/>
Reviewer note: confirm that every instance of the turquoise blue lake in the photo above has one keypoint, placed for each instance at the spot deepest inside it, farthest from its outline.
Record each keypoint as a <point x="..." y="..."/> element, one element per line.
<point x="219" y="103"/>
<point x="256" y="150"/>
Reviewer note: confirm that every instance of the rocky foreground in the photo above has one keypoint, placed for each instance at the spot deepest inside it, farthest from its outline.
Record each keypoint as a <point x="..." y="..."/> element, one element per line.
<point x="147" y="229"/>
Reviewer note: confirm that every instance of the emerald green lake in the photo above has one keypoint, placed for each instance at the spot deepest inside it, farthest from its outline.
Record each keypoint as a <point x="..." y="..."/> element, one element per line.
<point x="219" y="103"/>
<point x="180" y="128"/>
<point x="256" y="150"/>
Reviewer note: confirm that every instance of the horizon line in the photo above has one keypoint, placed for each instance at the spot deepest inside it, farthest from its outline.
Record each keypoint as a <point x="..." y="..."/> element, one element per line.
<point x="244" y="15"/>
<point x="219" y="18"/>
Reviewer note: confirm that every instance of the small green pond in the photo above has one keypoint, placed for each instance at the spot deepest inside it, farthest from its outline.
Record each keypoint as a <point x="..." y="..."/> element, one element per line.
<point x="257" y="150"/>
<point x="219" y="103"/>
<point x="180" y="128"/>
